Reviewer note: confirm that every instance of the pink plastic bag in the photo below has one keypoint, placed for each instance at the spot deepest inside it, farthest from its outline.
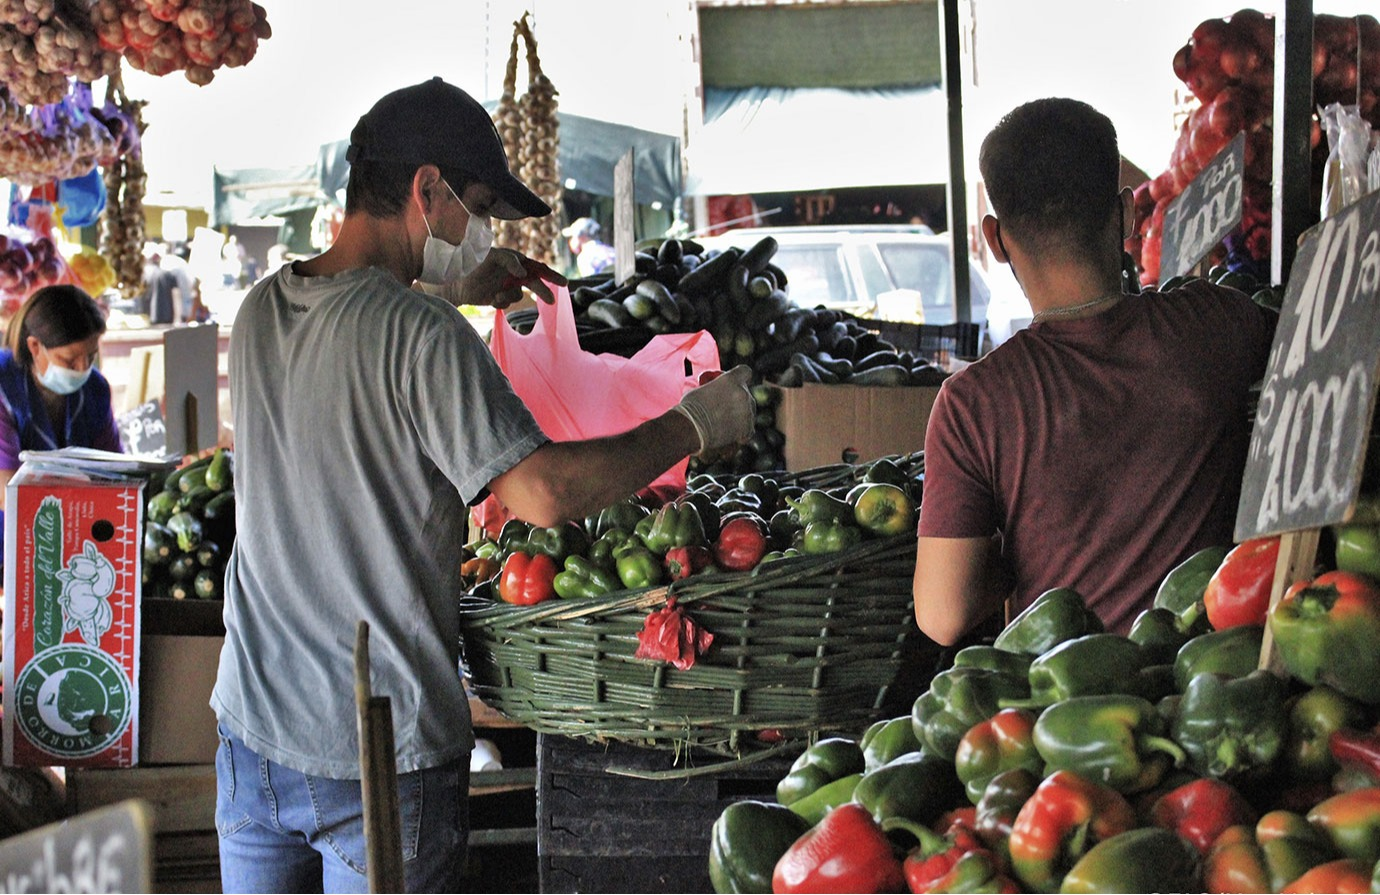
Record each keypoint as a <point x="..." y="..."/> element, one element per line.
<point x="575" y="395"/>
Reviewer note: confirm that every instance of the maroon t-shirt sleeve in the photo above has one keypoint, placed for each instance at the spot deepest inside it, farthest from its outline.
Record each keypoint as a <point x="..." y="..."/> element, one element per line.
<point x="957" y="501"/>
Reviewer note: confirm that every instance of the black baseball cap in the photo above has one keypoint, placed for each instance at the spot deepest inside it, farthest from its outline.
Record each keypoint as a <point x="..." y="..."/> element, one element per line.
<point x="435" y="123"/>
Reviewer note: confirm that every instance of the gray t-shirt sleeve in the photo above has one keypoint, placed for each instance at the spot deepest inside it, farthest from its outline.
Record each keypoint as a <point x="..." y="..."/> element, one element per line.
<point x="466" y="413"/>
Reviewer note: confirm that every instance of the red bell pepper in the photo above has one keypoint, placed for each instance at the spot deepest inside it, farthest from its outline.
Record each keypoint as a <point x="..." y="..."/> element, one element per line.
<point x="1281" y="848"/>
<point x="682" y="562"/>
<point x="1062" y="821"/>
<point x="527" y="578"/>
<point x="845" y="852"/>
<point x="1238" y="593"/>
<point x="936" y="855"/>
<point x="1200" y="810"/>
<point x="741" y="544"/>
<point x="1352" y="821"/>
<point x="976" y="871"/>
<point x="1357" y="751"/>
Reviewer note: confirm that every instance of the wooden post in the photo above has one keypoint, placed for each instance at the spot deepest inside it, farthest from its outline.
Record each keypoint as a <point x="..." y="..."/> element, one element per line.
<point x="1298" y="550"/>
<point x="378" y="777"/>
<point x="192" y="446"/>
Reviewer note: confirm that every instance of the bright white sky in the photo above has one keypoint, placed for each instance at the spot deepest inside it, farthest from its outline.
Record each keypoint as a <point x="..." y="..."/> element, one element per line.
<point x="624" y="61"/>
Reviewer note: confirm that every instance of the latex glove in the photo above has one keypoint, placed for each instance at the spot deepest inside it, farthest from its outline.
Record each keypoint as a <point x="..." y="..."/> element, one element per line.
<point x="722" y="410"/>
<point x="499" y="279"/>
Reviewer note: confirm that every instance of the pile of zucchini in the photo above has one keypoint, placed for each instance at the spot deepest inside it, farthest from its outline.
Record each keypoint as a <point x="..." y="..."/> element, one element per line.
<point x="189" y="526"/>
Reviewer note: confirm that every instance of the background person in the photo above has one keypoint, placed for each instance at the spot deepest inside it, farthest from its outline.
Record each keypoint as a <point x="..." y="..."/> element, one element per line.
<point x="369" y="416"/>
<point x="591" y="254"/>
<point x="51" y="394"/>
<point x="1105" y="443"/>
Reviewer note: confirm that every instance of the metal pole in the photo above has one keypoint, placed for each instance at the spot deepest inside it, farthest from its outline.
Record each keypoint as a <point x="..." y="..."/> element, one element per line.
<point x="1290" y="193"/>
<point x="957" y="187"/>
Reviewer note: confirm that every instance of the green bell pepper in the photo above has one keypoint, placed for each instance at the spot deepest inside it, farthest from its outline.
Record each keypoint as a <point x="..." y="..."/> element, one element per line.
<point x="829" y="537"/>
<point x="914" y="789"/>
<point x="1232" y="726"/>
<point x="818" y="505"/>
<point x="1157" y="631"/>
<point x="746" y="841"/>
<point x="513" y="536"/>
<point x="1181" y="591"/>
<point x="1114" y="739"/>
<point x="557" y="542"/>
<point x="582" y="579"/>
<point x="825" y="799"/>
<point x="708" y="509"/>
<point x="824" y="762"/>
<point x="1001" y="801"/>
<point x="1233" y="651"/>
<point x="1055" y="616"/>
<point x="956" y="700"/>
<point x="637" y="566"/>
<point x="602" y="551"/>
<point x="888" y="739"/>
<point x="1084" y="666"/>
<point x="1357" y="548"/>
<point x="989" y="657"/>
<point x="1313" y="716"/>
<point x="1146" y="859"/>
<point x="625" y="514"/>
<point x="766" y="490"/>
<point x="673" y="525"/>
<point x="1327" y="630"/>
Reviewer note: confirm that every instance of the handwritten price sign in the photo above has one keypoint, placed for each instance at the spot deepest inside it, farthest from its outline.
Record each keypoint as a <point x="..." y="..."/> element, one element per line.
<point x="1205" y="212"/>
<point x="1311" y="429"/>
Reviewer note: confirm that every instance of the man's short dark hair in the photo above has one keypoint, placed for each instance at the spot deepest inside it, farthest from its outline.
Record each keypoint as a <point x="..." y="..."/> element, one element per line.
<point x="381" y="189"/>
<point x="1052" y="169"/>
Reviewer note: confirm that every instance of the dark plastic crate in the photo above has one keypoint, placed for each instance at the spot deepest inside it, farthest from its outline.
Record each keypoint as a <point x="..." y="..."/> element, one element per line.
<point x="603" y="832"/>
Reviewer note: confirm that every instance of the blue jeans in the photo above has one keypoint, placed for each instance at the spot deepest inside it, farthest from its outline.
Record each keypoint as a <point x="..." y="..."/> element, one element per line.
<point x="284" y="831"/>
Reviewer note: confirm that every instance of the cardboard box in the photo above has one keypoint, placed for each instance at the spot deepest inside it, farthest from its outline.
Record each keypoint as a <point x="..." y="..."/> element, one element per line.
<point x="176" y="723"/>
<point x="73" y="553"/>
<point x="823" y="423"/>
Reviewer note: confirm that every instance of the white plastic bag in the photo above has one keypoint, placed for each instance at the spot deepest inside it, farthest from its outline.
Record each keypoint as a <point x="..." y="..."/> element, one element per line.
<point x="1345" y="176"/>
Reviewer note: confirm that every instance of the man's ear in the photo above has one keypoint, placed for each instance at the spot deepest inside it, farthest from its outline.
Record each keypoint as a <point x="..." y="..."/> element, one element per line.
<point x="426" y="183"/>
<point x="991" y="232"/>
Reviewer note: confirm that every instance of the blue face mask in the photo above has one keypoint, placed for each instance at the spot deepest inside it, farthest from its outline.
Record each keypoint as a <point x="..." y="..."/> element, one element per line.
<point x="63" y="381"/>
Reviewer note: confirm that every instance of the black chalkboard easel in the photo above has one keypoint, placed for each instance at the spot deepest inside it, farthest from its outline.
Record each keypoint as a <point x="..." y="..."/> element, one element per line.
<point x="1312" y="426"/>
<point x="1206" y="211"/>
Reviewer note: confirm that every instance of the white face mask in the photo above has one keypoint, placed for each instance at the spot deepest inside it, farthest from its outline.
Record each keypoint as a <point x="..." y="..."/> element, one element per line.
<point x="444" y="263"/>
<point x="61" y="380"/>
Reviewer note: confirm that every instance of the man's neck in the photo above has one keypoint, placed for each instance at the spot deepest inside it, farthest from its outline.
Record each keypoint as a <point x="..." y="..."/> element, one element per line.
<point x="366" y="241"/>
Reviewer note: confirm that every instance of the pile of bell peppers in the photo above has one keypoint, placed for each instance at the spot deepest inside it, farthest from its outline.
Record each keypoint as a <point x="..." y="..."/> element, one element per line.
<point x="1078" y="760"/>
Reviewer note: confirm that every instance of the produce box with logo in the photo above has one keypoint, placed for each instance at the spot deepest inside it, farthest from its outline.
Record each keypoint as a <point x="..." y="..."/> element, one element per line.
<point x="72" y="589"/>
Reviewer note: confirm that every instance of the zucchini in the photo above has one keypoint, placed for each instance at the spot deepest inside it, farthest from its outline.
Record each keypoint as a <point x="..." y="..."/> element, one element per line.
<point x="670" y="252"/>
<point x="639" y="306"/>
<point x="761" y="286"/>
<point x="778" y="358"/>
<point x="180" y="590"/>
<point x="174" y="481"/>
<point x="183" y="567"/>
<point x="193" y="478"/>
<point x="765" y="310"/>
<point x="644" y="262"/>
<point x="195" y="500"/>
<point x="811" y="371"/>
<point x="159" y="544"/>
<point x="609" y="312"/>
<point x="207" y="584"/>
<point x="738" y="294"/>
<point x="208" y="555"/>
<point x="884" y="375"/>
<point x="877" y="359"/>
<point x="708" y="277"/>
<point x="777" y="273"/>
<point x="161" y="506"/>
<point x="187" y="529"/>
<point x="662" y="300"/>
<point x="756" y="258"/>
<point x="219" y="474"/>
<point x="841" y="367"/>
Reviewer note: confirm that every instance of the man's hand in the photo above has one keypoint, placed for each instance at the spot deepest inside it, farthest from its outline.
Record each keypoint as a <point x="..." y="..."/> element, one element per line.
<point x="500" y="279"/>
<point x="721" y="410"/>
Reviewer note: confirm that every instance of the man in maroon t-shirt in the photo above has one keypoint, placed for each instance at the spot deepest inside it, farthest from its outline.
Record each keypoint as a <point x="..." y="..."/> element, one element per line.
<point x="1105" y="443"/>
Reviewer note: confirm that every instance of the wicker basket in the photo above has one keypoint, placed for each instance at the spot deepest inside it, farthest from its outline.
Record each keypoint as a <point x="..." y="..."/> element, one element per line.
<point x="801" y="645"/>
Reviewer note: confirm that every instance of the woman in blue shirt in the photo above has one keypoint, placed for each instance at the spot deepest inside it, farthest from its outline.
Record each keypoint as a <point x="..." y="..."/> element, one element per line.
<point x="51" y="394"/>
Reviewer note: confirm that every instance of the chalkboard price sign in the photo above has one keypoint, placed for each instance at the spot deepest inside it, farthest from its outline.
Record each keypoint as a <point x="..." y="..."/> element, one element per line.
<point x="1311" y="429"/>
<point x="143" y="430"/>
<point x="1205" y="212"/>
<point x="106" y="850"/>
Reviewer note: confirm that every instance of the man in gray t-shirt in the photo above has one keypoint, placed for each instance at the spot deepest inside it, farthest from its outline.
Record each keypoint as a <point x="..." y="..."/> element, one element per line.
<point x="368" y="417"/>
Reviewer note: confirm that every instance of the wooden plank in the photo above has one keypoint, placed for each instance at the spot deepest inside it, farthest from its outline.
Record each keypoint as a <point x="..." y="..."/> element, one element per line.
<point x="378" y="777"/>
<point x="483" y="715"/>
<point x="1298" y="551"/>
<point x="486" y="783"/>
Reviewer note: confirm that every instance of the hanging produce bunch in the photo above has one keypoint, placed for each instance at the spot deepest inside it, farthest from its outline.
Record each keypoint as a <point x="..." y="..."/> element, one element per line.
<point x="43" y="43"/>
<point x="530" y="132"/>
<point x="122" y="224"/>
<point x="195" y="37"/>
<point x="1228" y="64"/>
<point x="1064" y="758"/>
